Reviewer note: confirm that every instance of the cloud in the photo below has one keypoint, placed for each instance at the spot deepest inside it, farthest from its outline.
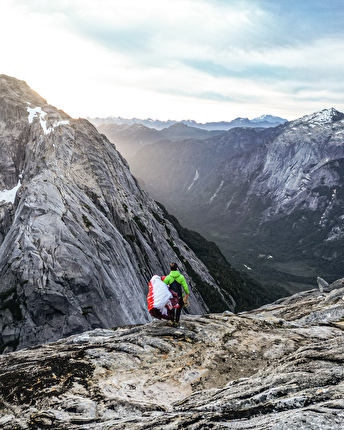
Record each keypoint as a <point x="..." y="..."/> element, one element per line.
<point x="240" y="56"/>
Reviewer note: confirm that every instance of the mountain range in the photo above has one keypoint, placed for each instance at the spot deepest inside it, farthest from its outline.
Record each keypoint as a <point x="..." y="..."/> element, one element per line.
<point x="262" y="121"/>
<point x="131" y="138"/>
<point x="272" y="198"/>
<point x="131" y="135"/>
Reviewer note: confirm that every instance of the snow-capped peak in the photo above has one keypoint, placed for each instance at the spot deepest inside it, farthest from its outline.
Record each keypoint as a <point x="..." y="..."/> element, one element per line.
<point x="269" y="118"/>
<point x="323" y="116"/>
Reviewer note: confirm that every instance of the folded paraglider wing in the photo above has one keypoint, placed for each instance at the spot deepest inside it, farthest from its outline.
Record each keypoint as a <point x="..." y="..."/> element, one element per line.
<point x="159" y="294"/>
<point x="161" y="300"/>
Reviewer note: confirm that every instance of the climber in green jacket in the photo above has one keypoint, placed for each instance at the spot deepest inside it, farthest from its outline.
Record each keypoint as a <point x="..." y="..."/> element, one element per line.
<point x="176" y="281"/>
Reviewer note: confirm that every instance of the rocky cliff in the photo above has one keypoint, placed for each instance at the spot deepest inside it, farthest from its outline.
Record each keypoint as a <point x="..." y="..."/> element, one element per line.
<point x="271" y="199"/>
<point x="79" y="239"/>
<point x="277" y="367"/>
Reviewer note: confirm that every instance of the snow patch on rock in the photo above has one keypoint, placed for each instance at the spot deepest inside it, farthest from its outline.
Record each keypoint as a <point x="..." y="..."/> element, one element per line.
<point x="216" y="192"/>
<point x="38" y="112"/>
<point x="9" y="195"/>
<point x="194" y="179"/>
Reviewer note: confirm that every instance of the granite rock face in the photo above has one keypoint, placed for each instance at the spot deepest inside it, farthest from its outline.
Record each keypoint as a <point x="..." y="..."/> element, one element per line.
<point x="276" y="367"/>
<point x="79" y="239"/>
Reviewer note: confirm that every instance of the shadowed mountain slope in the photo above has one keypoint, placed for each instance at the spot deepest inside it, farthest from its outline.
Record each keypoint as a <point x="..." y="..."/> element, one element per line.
<point x="131" y="138"/>
<point x="247" y="292"/>
<point x="271" y="199"/>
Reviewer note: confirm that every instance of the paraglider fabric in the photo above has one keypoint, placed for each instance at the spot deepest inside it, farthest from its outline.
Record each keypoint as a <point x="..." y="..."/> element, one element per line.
<point x="160" y="299"/>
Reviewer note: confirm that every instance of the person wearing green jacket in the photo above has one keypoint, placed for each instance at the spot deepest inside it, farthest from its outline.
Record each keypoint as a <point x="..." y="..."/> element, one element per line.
<point x="177" y="283"/>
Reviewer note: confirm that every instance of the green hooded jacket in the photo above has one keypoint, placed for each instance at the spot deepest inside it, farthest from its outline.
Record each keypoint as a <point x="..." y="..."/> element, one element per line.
<point x="176" y="276"/>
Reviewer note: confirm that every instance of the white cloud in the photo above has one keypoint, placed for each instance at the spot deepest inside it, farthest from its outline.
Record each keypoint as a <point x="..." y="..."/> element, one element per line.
<point x="204" y="60"/>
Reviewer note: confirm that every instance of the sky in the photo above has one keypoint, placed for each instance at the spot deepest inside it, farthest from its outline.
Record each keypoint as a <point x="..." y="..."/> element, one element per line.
<point x="205" y="60"/>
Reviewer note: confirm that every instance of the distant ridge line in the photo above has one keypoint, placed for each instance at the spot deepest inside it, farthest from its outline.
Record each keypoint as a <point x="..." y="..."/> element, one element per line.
<point x="263" y="121"/>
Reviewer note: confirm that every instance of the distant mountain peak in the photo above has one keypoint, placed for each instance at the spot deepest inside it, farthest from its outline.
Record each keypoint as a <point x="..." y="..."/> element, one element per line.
<point x="179" y="125"/>
<point x="240" y="118"/>
<point x="269" y="118"/>
<point x="323" y="116"/>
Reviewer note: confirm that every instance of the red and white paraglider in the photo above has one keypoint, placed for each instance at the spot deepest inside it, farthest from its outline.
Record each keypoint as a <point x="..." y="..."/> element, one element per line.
<point x="160" y="299"/>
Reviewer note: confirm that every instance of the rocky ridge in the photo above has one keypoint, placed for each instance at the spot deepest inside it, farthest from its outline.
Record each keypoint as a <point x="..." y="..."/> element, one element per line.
<point x="79" y="239"/>
<point x="276" y="367"/>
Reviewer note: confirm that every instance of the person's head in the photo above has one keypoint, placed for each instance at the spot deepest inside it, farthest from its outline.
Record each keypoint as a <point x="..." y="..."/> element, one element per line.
<point x="173" y="266"/>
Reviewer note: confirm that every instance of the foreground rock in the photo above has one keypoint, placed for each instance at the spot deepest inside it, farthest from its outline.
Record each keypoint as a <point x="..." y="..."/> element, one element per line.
<point x="278" y="367"/>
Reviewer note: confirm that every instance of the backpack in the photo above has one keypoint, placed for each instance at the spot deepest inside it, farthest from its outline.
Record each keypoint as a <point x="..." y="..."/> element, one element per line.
<point x="177" y="288"/>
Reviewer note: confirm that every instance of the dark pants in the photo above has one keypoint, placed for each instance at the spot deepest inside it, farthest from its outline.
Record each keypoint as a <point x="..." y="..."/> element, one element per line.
<point x="175" y="287"/>
<point x="178" y="311"/>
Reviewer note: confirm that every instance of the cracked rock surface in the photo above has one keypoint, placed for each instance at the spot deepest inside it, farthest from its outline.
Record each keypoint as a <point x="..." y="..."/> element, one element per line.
<point x="276" y="367"/>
